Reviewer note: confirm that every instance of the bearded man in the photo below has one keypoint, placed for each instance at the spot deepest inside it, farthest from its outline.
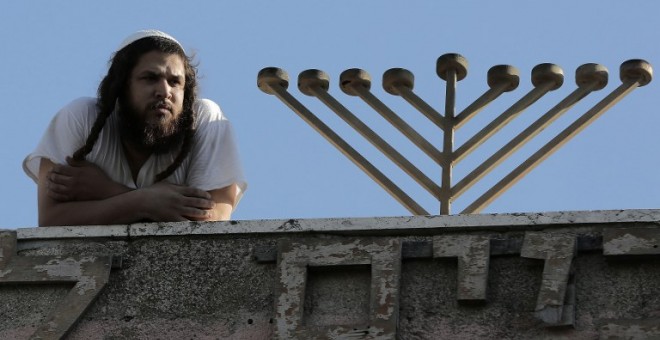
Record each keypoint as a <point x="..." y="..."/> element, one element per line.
<point x="145" y="150"/>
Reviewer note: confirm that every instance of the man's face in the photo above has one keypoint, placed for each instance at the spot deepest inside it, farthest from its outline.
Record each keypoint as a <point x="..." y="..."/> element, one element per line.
<point x="154" y="100"/>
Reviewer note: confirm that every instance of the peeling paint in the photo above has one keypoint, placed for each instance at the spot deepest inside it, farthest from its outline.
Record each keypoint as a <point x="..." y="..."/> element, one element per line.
<point x="636" y="241"/>
<point x="631" y="329"/>
<point x="63" y="268"/>
<point x="86" y="284"/>
<point x="628" y="242"/>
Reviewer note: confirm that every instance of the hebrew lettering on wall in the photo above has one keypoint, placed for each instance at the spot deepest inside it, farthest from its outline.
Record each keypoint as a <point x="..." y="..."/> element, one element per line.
<point x="87" y="274"/>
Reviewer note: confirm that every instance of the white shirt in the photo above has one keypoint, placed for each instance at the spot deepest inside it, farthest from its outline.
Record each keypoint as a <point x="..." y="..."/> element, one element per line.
<point x="213" y="162"/>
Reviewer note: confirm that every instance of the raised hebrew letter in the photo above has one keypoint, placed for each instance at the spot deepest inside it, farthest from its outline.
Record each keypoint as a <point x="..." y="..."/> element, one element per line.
<point x="473" y="253"/>
<point x="558" y="251"/>
<point x="293" y="261"/>
<point x="88" y="274"/>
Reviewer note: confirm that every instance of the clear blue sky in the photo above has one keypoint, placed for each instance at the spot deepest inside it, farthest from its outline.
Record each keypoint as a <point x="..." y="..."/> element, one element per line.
<point x="56" y="51"/>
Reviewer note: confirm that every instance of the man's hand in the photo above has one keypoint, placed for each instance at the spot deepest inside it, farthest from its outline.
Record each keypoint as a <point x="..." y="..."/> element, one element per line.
<point x="167" y="202"/>
<point x="81" y="181"/>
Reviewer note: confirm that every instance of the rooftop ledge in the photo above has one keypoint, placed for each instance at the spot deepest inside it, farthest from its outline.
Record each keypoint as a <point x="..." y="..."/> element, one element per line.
<point x="381" y="225"/>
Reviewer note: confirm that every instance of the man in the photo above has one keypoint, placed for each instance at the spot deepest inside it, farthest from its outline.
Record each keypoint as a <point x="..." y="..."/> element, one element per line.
<point x="145" y="150"/>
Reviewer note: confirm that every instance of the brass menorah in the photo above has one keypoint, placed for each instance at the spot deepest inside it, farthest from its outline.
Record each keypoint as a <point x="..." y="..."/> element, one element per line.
<point x="452" y="68"/>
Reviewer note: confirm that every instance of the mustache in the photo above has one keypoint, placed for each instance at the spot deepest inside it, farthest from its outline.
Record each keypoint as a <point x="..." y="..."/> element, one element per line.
<point x="161" y="104"/>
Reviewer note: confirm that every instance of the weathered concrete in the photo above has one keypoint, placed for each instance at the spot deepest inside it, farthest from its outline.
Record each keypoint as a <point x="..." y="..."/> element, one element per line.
<point x="631" y="241"/>
<point x="218" y="281"/>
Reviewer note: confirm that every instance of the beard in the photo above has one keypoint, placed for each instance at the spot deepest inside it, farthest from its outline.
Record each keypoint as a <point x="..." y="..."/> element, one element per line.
<point x="163" y="137"/>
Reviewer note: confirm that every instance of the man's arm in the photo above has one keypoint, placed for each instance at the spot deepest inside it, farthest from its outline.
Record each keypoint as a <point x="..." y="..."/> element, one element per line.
<point x="159" y="202"/>
<point x="81" y="181"/>
<point x="225" y="202"/>
<point x="215" y="159"/>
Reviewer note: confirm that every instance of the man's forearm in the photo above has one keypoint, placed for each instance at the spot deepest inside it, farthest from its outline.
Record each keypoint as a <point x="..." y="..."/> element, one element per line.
<point x="117" y="208"/>
<point x="120" y="209"/>
<point x="80" y="181"/>
<point x="162" y="202"/>
<point x="225" y="201"/>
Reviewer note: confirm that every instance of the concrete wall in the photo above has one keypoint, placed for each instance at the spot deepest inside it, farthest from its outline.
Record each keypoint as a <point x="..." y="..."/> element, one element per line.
<point x="577" y="275"/>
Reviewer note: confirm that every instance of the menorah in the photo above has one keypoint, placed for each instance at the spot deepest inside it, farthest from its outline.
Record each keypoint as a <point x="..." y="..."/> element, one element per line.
<point x="452" y="68"/>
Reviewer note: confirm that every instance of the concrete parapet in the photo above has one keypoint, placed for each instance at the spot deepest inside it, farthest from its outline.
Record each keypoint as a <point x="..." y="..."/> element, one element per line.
<point x="558" y="275"/>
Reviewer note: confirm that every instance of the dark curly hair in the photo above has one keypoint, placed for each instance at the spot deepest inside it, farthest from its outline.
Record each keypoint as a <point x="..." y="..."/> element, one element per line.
<point x="114" y="86"/>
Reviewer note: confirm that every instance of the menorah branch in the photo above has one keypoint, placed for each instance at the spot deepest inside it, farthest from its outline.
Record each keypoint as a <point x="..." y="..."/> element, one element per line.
<point x="634" y="74"/>
<point x="501" y="78"/>
<point x="545" y="77"/>
<point x="356" y="82"/>
<point x="589" y="77"/>
<point x="275" y="81"/>
<point x="400" y="82"/>
<point x="315" y="83"/>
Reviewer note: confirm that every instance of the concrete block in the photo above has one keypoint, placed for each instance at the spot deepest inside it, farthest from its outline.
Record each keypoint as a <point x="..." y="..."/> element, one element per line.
<point x="294" y="259"/>
<point x="473" y="254"/>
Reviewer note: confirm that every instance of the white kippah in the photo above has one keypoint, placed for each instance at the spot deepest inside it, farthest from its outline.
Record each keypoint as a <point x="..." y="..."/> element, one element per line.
<point x="144" y="34"/>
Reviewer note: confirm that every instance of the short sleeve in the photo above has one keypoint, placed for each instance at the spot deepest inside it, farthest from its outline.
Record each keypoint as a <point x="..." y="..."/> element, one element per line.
<point x="215" y="162"/>
<point x="66" y="132"/>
